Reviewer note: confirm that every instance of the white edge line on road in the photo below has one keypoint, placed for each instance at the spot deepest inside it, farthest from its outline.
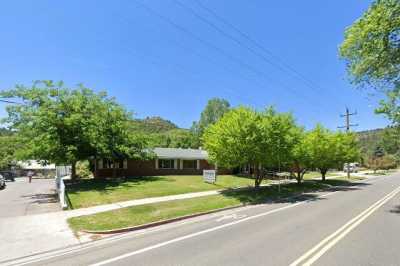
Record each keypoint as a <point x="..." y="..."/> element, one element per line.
<point x="139" y="251"/>
<point x="332" y="239"/>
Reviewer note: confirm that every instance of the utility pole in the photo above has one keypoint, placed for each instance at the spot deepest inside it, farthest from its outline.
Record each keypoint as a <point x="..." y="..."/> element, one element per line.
<point x="347" y="115"/>
<point x="347" y="127"/>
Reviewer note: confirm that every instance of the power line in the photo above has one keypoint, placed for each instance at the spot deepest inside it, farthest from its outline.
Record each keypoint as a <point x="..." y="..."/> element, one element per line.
<point x="219" y="50"/>
<point x="12" y="102"/>
<point x="257" y="44"/>
<point x="184" y="69"/>
<point x="281" y="64"/>
<point x="222" y="32"/>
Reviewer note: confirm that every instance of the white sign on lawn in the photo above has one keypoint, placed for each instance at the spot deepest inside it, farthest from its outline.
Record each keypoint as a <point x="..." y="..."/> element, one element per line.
<point x="210" y="176"/>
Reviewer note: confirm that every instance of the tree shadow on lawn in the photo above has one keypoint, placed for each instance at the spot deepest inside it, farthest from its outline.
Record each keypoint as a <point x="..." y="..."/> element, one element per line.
<point x="340" y="182"/>
<point x="290" y="193"/>
<point x="106" y="185"/>
<point x="248" y="176"/>
<point x="267" y="178"/>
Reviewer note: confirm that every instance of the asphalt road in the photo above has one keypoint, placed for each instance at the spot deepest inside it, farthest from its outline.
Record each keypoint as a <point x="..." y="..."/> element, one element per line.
<point x="358" y="225"/>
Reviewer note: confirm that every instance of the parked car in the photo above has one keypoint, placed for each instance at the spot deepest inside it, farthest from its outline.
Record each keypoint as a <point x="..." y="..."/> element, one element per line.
<point x="352" y="167"/>
<point x="2" y="182"/>
<point x="8" y="175"/>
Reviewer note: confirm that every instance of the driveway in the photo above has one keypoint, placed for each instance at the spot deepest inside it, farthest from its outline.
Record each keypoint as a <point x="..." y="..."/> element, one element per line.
<point x="31" y="219"/>
<point x="22" y="198"/>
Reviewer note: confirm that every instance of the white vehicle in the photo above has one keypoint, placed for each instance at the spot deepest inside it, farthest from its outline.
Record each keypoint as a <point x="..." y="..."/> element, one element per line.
<point x="351" y="167"/>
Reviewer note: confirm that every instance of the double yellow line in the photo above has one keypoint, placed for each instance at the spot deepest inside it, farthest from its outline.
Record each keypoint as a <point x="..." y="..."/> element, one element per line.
<point x="317" y="251"/>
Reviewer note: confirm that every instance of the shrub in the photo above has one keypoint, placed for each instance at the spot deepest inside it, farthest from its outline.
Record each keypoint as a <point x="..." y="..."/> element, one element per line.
<point x="83" y="170"/>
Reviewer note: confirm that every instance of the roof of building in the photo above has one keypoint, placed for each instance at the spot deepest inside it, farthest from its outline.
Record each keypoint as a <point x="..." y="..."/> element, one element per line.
<point x="38" y="165"/>
<point x="173" y="153"/>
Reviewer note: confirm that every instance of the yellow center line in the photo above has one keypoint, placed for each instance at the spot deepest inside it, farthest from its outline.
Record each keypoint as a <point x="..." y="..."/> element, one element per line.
<point x="318" y="250"/>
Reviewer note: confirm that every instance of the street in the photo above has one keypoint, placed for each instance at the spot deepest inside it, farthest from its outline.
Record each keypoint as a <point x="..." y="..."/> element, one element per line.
<point x="356" y="225"/>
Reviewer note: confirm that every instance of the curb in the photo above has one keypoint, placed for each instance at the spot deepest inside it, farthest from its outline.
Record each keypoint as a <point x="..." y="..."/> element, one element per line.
<point x="145" y="226"/>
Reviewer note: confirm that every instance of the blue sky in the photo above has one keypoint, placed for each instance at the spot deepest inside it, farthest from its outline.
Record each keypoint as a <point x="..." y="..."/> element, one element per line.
<point x="161" y="59"/>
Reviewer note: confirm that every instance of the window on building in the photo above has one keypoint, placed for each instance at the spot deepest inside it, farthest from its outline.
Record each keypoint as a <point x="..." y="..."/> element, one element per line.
<point x="190" y="164"/>
<point x="112" y="164"/>
<point x="166" y="164"/>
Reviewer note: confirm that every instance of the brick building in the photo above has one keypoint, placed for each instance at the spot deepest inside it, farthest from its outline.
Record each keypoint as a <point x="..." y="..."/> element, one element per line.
<point x="168" y="161"/>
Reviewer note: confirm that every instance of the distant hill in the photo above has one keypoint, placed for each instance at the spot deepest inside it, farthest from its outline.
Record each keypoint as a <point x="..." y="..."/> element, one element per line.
<point x="371" y="131"/>
<point x="153" y="125"/>
<point x="369" y="139"/>
<point x="163" y="133"/>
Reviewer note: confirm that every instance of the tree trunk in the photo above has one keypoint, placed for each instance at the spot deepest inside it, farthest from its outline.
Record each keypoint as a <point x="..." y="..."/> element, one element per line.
<point x="323" y="173"/>
<point x="298" y="178"/>
<point x="114" y="171"/>
<point x="257" y="177"/>
<point x="73" y="171"/>
<point x="95" y="168"/>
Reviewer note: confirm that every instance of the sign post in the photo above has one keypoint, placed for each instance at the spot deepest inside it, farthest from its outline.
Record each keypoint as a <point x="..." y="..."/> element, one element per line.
<point x="210" y="176"/>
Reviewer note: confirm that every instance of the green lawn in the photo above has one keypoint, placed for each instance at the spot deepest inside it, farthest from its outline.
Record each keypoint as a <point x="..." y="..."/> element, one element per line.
<point x="352" y="178"/>
<point x="93" y="192"/>
<point x="138" y="215"/>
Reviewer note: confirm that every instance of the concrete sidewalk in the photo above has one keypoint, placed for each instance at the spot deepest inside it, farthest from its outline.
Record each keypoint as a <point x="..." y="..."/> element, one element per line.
<point x="130" y="203"/>
<point x="27" y="235"/>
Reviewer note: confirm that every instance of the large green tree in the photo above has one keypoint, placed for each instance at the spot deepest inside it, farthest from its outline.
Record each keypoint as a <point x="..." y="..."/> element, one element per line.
<point x="330" y="150"/>
<point x="347" y="149"/>
<point x="391" y="106"/>
<point x="322" y="146"/>
<point x="372" y="44"/>
<point x="390" y="141"/>
<point x="8" y="146"/>
<point x="301" y="156"/>
<point x="214" y="110"/>
<point x="64" y="126"/>
<point x="280" y="135"/>
<point x="371" y="49"/>
<point x="263" y="140"/>
<point x="235" y="141"/>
